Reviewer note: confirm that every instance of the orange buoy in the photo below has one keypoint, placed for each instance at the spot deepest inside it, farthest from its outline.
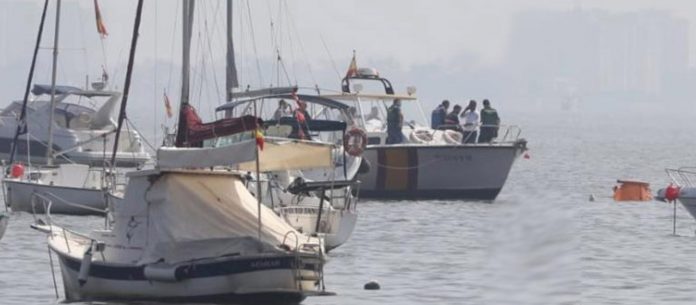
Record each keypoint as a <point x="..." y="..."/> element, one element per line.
<point x="632" y="190"/>
<point x="17" y="170"/>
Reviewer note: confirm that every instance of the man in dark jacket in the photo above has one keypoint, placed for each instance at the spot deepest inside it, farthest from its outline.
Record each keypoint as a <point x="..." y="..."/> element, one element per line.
<point x="490" y="122"/>
<point x="395" y="121"/>
<point x="437" y="118"/>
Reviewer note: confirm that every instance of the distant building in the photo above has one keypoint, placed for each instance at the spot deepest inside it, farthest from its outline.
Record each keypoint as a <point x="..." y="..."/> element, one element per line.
<point x="600" y="53"/>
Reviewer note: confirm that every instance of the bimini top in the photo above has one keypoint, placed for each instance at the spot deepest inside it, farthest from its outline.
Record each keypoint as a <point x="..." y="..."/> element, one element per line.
<point x="315" y="99"/>
<point x="369" y="96"/>
<point x="64" y="90"/>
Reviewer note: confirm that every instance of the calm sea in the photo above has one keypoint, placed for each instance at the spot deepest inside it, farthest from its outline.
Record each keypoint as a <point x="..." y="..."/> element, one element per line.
<point x="541" y="242"/>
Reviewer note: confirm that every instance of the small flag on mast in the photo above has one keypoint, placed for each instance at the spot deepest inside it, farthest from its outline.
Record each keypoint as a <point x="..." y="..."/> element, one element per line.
<point x="167" y="105"/>
<point x="353" y="67"/>
<point x="101" y="29"/>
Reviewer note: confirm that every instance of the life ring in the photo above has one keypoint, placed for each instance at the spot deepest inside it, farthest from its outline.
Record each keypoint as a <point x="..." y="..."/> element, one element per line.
<point x="452" y="137"/>
<point x="421" y="136"/>
<point x="355" y="142"/>
<point x="84" y="117"/>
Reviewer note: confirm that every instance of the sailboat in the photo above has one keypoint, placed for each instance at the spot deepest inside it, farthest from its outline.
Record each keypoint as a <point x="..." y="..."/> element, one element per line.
<point x="69" y="188"/>
<point x="189" y="230"/>
<point x="322" y="201"/>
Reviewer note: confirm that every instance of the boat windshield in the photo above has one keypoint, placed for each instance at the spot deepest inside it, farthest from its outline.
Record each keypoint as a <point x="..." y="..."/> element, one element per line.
<point x="372" y="111"/>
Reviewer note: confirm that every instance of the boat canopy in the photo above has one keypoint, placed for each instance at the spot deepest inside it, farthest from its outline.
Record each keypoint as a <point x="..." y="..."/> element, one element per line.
<point x="221" y="218"/>
<point x="277" y="154"/>
<point x="65" y="90"/>
<point x="314" y="99"/>
<point x="369" y="96"/>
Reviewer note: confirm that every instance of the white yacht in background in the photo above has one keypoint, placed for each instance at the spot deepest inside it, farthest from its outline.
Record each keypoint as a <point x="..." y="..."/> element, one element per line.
<point x="429" y="164"/>
<point x="83" y="129"/>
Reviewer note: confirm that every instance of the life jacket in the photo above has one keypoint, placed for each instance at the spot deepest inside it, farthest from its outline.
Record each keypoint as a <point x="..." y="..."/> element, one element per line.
<point x="489" y="116"/>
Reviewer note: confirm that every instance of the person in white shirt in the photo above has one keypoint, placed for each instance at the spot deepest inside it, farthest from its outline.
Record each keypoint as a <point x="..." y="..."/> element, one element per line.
<point x="470" y="123"/>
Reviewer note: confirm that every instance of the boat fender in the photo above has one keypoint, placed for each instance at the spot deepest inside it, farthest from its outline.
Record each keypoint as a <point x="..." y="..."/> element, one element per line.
<point x="355" y="142"/>
<point x="421" y="136"/>
<point x="365" y="166"/>
<point x="17" y="170"/>
<point x="161" y="272"/>
<point x="85" y="266"/>
<point x="452" y="137"/>
<point x="672" y="193"/>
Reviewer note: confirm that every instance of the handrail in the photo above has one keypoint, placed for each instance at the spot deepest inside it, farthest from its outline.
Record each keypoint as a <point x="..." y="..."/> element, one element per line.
<point x="683" y="176"/>
<point x="72" y="204"/>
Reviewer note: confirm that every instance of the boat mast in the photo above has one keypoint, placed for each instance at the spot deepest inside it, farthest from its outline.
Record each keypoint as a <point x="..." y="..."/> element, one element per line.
<point x="49" y="150"/>
<point x="231" y="71"/>
<point x="22" y="123"/>
<point x="126" y="86"/>
<point x="187" y="25"/>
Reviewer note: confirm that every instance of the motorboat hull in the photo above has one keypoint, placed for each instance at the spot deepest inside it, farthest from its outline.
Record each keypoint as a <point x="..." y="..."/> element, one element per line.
<point x="687" y="197"/>
<point x="64" y="199"/>
<point x="267" y="279"/>
<point x="416" y="171"/>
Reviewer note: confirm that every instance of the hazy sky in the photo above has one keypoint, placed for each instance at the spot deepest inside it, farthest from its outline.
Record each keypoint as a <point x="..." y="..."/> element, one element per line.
<point x="406" y="31"/>
<point x="401" y="36"/>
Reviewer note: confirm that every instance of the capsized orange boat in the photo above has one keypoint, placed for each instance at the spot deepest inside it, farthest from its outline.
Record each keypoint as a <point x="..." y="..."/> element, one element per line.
<point x="632" y="190"/>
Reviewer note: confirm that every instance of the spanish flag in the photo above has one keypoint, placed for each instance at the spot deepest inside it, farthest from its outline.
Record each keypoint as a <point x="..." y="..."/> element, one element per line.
<point x="167" y="105"/>
<point x="101" y="29"/>
<point x="353" y="67"/>
<point x="259" y="138"/>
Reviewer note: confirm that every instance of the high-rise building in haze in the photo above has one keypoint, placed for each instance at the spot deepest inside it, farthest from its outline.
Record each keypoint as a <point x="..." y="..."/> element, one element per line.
<point x="595" y="52"/>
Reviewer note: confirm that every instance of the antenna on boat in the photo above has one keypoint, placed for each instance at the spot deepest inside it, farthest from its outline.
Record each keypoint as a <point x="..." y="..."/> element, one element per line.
<point x="22" y="126"/>
<point x="129" y="72"/>
<point x="49" y="148"/>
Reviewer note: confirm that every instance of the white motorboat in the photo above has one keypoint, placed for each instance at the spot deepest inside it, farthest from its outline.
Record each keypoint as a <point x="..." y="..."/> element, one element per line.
<point x="81" y="132"/>
<point x="4" y="220"/>
<point x="429" y="164"/>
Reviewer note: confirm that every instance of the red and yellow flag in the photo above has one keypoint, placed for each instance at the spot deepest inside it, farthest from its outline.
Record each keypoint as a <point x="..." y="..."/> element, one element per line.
<point x="101" y="29"/>
<point x="259" y="138"/>
<point x="352" y="68"/>
<point x="167" y="105"/>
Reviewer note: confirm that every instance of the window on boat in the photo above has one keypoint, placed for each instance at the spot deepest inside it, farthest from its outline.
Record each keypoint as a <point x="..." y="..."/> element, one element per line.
<point x="73" y="116"/>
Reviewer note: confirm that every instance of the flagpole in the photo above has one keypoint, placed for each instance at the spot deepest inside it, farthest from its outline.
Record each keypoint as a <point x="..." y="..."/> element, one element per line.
<point x="258" y="175"/>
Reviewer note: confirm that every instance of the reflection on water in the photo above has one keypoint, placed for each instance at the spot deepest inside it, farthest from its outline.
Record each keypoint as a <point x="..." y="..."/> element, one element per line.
<point x="541" y="242"/>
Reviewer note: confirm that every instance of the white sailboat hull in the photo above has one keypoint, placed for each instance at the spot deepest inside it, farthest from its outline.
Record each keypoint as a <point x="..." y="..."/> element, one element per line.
<point x="335" y="225"/>
<point x="64" y="199"/>
<point x="269" y="278"/>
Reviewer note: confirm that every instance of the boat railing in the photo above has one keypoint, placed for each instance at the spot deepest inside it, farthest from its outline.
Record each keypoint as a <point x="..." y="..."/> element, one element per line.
<point x="510" y="133"/>
<point x="683" y="176"/>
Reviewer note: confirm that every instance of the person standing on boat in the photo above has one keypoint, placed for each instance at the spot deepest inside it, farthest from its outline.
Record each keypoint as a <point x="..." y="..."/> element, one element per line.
<point x="395" y="121"/>
<point x="282" y="111"/>
<point x="452" y="119"/>
<point x="301" y="129"/>
<point x="490" y="122"/>
<point x="471" y="123"/>
<point x="437" y="118"/>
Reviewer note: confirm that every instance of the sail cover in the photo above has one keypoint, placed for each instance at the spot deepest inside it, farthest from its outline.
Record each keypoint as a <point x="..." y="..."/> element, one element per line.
<point x="277" y="154"/>
<point x="193" y="215"/>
